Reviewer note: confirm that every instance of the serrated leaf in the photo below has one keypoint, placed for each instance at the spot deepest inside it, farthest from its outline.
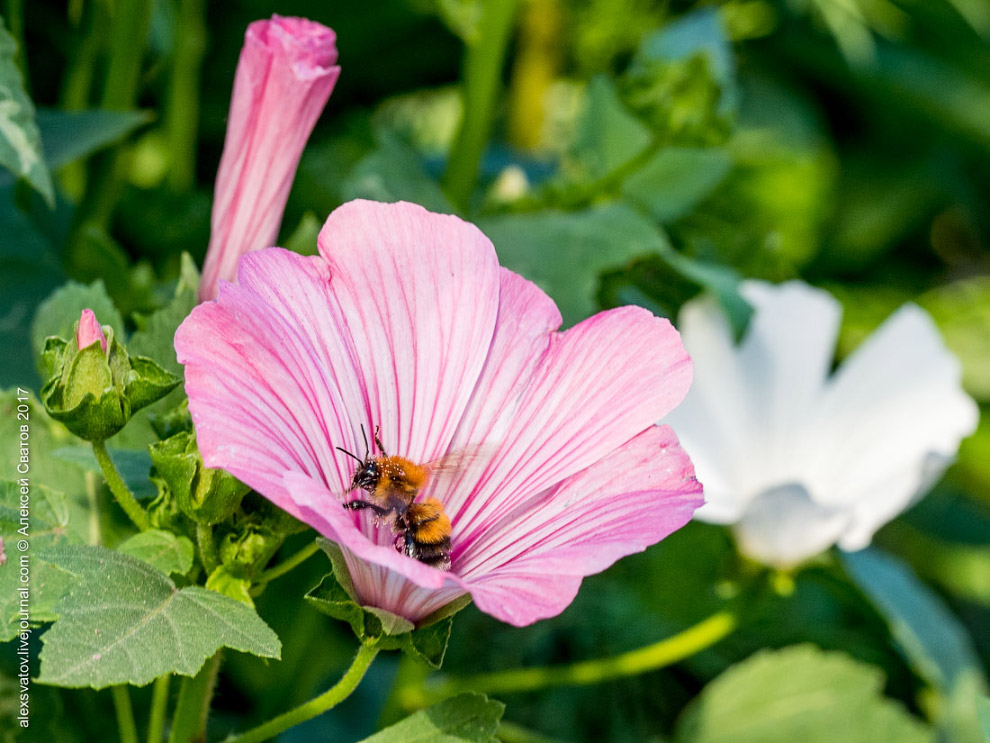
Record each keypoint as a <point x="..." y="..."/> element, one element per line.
<point x="160" y="549"/>
<point x="57" y="314"/>
<point x="20" y="141"/>
<point x="802" y="694"/>
<point x="676" y="180"/>
<point x="466" y="718"/>
<point x="124" y="622"/>
<point x="48" y="518"/>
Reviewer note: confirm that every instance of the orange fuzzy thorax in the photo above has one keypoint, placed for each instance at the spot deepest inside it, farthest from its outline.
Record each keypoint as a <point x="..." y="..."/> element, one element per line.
<point x="400" y="476"/>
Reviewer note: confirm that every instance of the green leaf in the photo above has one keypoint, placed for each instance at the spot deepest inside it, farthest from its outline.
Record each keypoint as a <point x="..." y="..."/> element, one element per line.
<point x="20" y="141"/>
<point x="124" y="622"/>
<point x="466" y="718"/>
<point x="132" y="465"/>
<point x="802" y="694"/>
<point x="609" y="136"/>
<point x="930" y="635"/>
<point x="303" y="238"/>
<point x="71" y="135"/>
<point x="48" y="518"/>
<point x="60" y="312"/>
<point x="463" y="17"/>
<point x="676" y="180"/>
<point x="564" y="252"/>
<point x="394" y="172"/>
<point x="983" y="708"/>
<point x="160" y="549"/>
<point x="155" y="334"/>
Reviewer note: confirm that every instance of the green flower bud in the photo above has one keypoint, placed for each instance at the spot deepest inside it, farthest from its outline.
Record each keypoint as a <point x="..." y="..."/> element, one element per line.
<point x="95" y="386"/>
<point x="205" y="495"/>
<point x="249" y="548"/>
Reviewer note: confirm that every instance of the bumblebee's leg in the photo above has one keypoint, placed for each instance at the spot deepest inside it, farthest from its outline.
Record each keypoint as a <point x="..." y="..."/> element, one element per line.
<point x="378" y="441"/>
<point x="360" y="505"/>
<point x="410" y="544"/>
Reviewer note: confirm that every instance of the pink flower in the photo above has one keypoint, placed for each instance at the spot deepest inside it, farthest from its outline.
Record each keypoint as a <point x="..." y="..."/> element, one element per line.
<point x="405" y="320"/>
<point x="89" y="331"/>
<point x="284" y="77"/>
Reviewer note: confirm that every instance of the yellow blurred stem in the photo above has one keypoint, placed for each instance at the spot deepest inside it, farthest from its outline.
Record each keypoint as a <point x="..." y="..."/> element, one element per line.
<point x="632" y="663"/>
<point x="536" y="65"/>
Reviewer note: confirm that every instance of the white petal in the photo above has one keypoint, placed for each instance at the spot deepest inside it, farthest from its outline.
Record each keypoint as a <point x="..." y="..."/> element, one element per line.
<point x="784" y="527"/>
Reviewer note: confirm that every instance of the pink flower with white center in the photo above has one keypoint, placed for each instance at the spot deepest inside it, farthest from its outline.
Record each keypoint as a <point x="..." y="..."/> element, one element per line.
<point x="797" y="458"/>
<point x="406" y="321"/>
<point x="89" y="331"/>
<point x="284" y="77"/>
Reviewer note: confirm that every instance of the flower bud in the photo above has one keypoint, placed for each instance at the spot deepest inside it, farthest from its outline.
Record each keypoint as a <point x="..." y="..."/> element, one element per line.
<point x="89" y="331"/>
<point x="206" y="495"/>
<point x="95" y="386"/>
<point x="284" y="77"/>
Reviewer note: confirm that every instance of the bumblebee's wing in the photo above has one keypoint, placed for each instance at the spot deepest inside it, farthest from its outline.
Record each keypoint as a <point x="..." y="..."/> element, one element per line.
<point x="458" y="467"/>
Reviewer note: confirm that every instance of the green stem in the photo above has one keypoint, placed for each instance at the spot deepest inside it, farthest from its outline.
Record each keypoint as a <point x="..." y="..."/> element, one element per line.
<point x="192" y="709"/>
<point x="182" y="106"/>
<point x="288" y="564"/>
<point x="482" y="82"/>
<point x="159" y="706"/>
<point x="650" y="658"/>
<point x="125" y="714"/>
<point x="207" y="547"/>
<point x="128" y="33"/>
<point x="117" y="486"/>
<point x="316" y="706"/>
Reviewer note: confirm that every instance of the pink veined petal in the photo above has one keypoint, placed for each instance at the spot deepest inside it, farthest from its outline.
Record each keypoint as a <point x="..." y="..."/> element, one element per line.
<point x="262" y="391"/>
<point x="420" y="293"/>
<point x="285" y="74"/>
<point x="593" y="388"/>
<point x="631" y="499"/>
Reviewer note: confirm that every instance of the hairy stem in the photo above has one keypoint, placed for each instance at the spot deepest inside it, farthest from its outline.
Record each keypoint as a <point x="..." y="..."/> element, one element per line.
<point x="207" y="547"/>
<point x="117" y="486"/>
<point x="632" y="663"/>
<point x="316" y="706"/>
<point x="482" y="82"/>
<point x="125" y="714"/>
<point x="159" y="706"/>
<point x="193" y="706"/>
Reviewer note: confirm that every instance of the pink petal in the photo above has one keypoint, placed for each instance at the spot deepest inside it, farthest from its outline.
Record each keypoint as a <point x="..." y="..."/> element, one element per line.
<point x="528" y="565"/>
<point x="89" y="331"/>
<point x="585" y="393"/>
<point x="284" y="77"/>
<point x="420" y="293"/>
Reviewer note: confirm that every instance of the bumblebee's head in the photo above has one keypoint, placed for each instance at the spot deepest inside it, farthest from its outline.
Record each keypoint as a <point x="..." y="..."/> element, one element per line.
<point x="366" y="476"/>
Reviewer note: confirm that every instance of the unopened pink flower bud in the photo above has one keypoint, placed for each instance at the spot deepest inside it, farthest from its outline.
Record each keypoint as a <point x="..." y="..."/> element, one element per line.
<point x="286" y="72"/>
<point x="89" y="331"/>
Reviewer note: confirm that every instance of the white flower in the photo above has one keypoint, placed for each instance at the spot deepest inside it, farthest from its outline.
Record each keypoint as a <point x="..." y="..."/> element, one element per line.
<point x="796" y="458"/>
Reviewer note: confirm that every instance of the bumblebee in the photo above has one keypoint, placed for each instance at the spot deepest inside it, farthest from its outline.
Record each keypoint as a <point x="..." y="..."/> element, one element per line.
<point x="422" y="529"/>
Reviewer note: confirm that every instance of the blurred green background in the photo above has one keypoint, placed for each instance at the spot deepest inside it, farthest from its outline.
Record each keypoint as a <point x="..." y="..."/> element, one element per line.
<point x="641" y="152"/>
